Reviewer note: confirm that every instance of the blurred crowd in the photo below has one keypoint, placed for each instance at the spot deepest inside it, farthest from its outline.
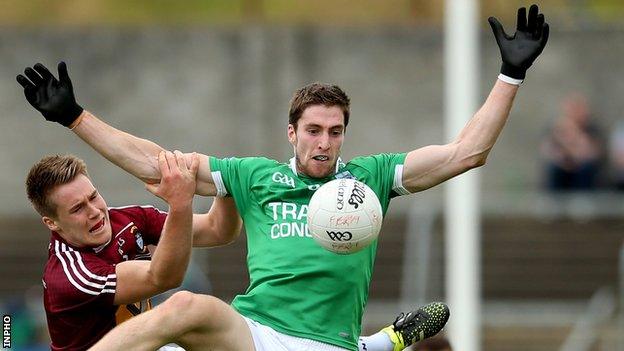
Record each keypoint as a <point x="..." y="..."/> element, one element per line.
<point x="577" y="152"/>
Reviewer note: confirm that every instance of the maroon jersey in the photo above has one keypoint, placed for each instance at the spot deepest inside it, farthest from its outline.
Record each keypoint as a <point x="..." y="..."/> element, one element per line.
<point x="79" y="284"/>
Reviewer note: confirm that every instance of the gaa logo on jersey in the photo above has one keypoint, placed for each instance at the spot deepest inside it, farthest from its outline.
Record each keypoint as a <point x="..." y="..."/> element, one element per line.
<point x="279" y="177"/>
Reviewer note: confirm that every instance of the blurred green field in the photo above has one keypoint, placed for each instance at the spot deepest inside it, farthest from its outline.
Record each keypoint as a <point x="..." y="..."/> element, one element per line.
<point x="233" y="12"/>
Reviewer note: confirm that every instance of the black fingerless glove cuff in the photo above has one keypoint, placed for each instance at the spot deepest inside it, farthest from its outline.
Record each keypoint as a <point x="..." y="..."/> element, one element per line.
<point x="513" y="71"/>
<point x="68" y="117"/>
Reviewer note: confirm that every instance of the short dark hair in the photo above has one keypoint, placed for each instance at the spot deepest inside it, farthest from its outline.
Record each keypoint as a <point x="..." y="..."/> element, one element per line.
<point x="318" y="94"/>
<point x="47" y="174"/>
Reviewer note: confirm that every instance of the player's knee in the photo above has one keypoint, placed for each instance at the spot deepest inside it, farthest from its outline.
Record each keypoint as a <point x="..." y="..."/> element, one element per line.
<point x="181" y="301"/>
<point x="192" y="311"/>
<point x="176" y="311"/>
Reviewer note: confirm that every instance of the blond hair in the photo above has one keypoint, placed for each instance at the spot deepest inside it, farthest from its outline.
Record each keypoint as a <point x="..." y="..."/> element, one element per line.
<point x="47" y="174"/>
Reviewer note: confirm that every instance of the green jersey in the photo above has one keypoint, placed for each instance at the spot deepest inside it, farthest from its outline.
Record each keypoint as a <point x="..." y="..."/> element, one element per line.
<point x="297" y="287"/>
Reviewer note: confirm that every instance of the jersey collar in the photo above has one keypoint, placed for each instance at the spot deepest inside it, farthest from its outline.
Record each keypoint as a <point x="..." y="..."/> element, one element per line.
<point x="58" y="237"/>
<point x="101" y="247"/>
<point x="292" y="163"/>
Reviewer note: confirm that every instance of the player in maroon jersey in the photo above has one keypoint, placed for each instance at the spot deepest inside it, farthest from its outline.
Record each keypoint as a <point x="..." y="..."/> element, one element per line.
<point x="98" y="271"/>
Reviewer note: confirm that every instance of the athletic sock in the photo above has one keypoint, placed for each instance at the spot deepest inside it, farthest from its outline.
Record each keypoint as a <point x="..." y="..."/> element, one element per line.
<point x="379" y="341"/>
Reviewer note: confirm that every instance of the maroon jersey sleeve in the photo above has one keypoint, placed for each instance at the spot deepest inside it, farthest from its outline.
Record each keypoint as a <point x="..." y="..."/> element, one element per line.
<point x="79" y="277"/>
<point x="78" y="286"/>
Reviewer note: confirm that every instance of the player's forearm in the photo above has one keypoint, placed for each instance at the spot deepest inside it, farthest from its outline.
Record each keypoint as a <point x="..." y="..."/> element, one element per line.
<point x="479" y="135"/>
<point x="136" y="156"/>
<point x="220" y="226"/>
<point x="209" y="234"/>
<point x="173" y="251"/>
<point x="518" y="52"/>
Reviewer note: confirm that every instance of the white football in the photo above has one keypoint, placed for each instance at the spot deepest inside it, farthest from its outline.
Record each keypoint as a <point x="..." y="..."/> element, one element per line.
<point x="344" y="216"/>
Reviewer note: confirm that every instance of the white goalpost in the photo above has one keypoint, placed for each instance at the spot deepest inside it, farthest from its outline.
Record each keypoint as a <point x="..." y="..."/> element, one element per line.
<point x="462" y="224"/>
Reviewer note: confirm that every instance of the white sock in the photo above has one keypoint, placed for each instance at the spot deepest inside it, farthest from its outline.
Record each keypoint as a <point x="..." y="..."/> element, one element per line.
<point x="379" y="341"/>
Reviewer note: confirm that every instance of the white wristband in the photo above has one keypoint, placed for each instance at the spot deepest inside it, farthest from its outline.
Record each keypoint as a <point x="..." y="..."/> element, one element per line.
<point x="510" y="80"/>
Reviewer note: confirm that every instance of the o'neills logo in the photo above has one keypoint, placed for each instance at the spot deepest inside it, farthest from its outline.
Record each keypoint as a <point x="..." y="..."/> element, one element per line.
<point x="357" y="195"/>
<point x="340" y="198"/>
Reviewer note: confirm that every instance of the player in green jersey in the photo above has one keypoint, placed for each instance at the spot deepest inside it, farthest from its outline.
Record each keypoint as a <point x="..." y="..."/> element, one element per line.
<point x="299" y="294"/>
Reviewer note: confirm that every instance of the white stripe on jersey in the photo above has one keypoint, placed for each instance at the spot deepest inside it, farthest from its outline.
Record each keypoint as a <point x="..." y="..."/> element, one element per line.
<point x="218" y="182"/>
<point x="69" y="277"/>
<point x="88" y="272"/>
<point x="397" y="185"/>
<point x="84" y="280"/>
<point x="59" y="252"/>
<point x="140" y="206"/>
<point x="124" y="228"/>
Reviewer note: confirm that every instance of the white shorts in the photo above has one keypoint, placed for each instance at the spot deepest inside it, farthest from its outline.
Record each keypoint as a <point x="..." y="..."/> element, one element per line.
<point x="268" y="339"/>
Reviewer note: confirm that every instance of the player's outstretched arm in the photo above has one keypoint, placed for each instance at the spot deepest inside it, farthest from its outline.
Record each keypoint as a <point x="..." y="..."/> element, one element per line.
<point x="55" y="100"/>
<point x="431" y="165"/>
<point x="220" y="226"/>
<point x="138" y="280"/>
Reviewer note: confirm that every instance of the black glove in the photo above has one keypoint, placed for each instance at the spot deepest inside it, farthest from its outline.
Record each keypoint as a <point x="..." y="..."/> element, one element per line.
<point x="520" y="50"/>
<point x="53" y="98"/>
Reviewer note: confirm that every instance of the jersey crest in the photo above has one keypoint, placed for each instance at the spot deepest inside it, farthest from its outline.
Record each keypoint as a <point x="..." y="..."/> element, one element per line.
<point x="138" y="239"/>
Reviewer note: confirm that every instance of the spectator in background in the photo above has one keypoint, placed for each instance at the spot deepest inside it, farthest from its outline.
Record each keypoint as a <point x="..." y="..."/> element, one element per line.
<point x="573" y="148"/>
<point x="437" y="343"/>
<point x="616" y="156"/>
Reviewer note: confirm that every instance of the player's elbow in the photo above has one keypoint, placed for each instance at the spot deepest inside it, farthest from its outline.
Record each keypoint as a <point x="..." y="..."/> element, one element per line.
<point x="471" y="158"/>
<point x="149" y="175"/>
<point x="230" y="237"/>
<point x="468" y="162"/>
<point x="234" y="231"/>
<point x="226" y="237"/>
<point x="476" y="161"/>
<point x="175" y="282"/>
<point x="171" y="282"/>
<point x="164" y="282"/>
<point x="148" y="169"/>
